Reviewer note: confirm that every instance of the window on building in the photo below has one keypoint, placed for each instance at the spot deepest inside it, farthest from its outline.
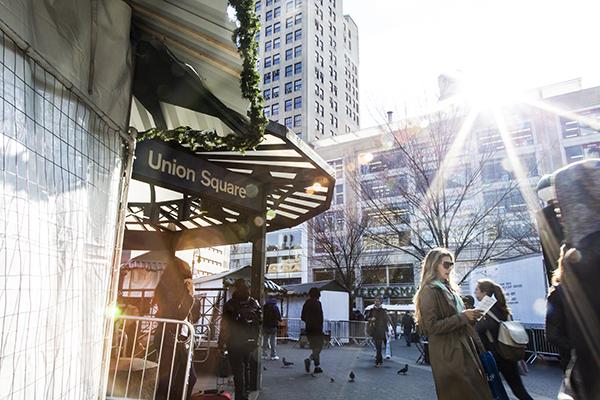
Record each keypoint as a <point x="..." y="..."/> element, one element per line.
<point x="289" y="54"/>
<point x="267" y="111"/>
<point x="289" y="38"/>
<point x="297" y="102"/>
<point x="288" y="122"/>
<point x="288" y="71"/>
<point x="288" y="87"/>
<point x="289" y="22"/>
<point x="298" y="68"/>
<point x="338" y="196"/>
<point x="298" y="19"/>
<point x="268" y="45"/>
<point x="267" y="78"/>
<point x="277" y="12"/>
<point x="297" y="120"/>
<point x="298" y="3"/>
<point x="298" y="34"/>
<point x="275" y="75"/>
<point x="269" y="15"/>
<point x="322" y="274"/>
<point x="374" y="275"/>
<point x="298" y="51"/>
<point x="297" y="85"/>
<point x="269" y="30"/>
<point x="337" y="165"/>
<point x="573" y="128"/>
<point x="276" y="59"/>
<point x="267" y="94"/>
<point x="288" y="105"/>
<point x="257" y="6"/>
<point x="276" y="43"/>
<point x="275" y="109"/>
<point x="580" y="152"/>
<point x="277" y="27"/>
<point x="269" y="3"/>
<point x="267" y="62"/>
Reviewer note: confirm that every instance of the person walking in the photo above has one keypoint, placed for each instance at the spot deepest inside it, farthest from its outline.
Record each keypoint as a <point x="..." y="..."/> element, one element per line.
<point x="312" y="315"/>
<point x="240" y="326"/>
<point x="379" y="321"/>
<point x="453" y="342"/>
<point x="408" y="325"/>
<point x="271" y="320"/>
<point x="174" y="297"/>
<point x="488" y="328"/>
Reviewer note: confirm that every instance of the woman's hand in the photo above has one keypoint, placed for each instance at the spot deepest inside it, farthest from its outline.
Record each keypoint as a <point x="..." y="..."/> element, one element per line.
<point x="473" y="315"/>
<point x="189" y="286"/>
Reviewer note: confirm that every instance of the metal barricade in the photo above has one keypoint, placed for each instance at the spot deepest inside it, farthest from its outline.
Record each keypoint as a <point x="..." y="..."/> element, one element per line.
<point x="342" y="332"/>
<point x="150" y="358"/>
<point x="538" y="345"/>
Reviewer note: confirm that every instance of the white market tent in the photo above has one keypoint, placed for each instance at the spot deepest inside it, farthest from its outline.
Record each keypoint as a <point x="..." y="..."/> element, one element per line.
<point x="395" y="307"/>
<point x="334" y="299"/>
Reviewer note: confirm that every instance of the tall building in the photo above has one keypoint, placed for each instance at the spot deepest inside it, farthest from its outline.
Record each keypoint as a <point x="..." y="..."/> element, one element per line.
<point x="369" y="164"/>
<point x="309" y="72"/>
<point x="309" y="66"/>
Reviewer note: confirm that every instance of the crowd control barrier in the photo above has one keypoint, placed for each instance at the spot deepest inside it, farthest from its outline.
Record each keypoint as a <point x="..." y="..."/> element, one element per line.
<point x="150" y="358"/>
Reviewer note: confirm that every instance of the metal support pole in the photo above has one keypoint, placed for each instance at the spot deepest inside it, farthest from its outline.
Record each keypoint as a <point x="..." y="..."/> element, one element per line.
<point x="259" y="229"/>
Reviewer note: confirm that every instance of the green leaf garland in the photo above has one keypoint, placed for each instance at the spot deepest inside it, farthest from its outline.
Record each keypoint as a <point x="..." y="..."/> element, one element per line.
<point x="244" y="39"/>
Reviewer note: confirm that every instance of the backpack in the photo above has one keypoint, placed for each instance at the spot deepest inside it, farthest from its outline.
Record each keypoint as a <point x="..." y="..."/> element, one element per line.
<point x="247" y="318"/>
<point x="512" y="339"/>
<point x="270" y="317"/>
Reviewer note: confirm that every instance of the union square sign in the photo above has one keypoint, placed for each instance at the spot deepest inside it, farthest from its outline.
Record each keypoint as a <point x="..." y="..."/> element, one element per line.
<point x="386" y="291"/>
<point x="178" y="169"/>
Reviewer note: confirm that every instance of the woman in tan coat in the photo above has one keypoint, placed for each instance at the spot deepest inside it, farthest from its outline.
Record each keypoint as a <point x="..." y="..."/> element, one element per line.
<point x="453" y="343"/>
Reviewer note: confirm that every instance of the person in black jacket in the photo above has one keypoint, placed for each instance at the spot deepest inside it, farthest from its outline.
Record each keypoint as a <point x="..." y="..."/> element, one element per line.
<point x="379" y="320"/>
<point x="312" y="315"/>
<point x="239" y="333"/>
<point x="488" y="329"/>
<point x="408" y="325"/>
<point x="271" y="319"/>
<point x="174" y="296"/>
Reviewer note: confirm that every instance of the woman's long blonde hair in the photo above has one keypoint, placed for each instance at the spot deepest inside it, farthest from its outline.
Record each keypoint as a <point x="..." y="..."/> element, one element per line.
<point x="428" y="273"/>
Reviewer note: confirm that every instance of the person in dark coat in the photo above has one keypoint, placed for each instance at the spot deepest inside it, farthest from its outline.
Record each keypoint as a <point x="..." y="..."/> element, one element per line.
<point x="312" y="315"/>
<point x="454" y="345"/>
<point x="174" y="297"/>
<point x="408" y="325"/>
<point x="488" y="329"/>
<point x="271" y="320"/>
<point x="578" y="194"/>
<point x="240" y="324"/>
<point x="379" y="320"/>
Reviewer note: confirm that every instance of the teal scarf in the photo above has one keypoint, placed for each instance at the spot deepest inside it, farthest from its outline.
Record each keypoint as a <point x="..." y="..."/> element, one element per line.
<point x="451" y="294"/>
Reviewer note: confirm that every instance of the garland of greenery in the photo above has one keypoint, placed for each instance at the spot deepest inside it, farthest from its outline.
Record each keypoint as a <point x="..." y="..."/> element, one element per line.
<point x="244" y="39"/>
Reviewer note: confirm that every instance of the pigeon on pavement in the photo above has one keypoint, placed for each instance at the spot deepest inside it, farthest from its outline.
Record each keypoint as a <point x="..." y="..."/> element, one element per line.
<point x="351" y="376"/>
<point x="286" y="363"/>
<point x="404" y="370"/>
<point x="331" y="380"/>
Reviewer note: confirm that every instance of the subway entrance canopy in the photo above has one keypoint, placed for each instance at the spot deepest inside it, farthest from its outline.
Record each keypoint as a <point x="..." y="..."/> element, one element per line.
<point x="182" y="198"/>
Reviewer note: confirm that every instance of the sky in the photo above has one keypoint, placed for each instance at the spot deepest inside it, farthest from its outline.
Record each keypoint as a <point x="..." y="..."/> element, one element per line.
<point x="404" y="45"/>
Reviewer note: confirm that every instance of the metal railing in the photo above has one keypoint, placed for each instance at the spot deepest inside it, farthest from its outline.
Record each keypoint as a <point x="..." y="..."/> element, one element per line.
<point x="150" y="358"/>
<point x="538" y="345"/>
<point x="341" y="331"/>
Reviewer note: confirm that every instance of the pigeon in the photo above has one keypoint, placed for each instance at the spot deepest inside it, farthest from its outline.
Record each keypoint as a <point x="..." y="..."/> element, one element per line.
<point x="264" y="368"/>
<point x="286" y="363"/>
<point x="331" y="380"/>
<point x="404" y="370"/>
<point x="351" y="376"/>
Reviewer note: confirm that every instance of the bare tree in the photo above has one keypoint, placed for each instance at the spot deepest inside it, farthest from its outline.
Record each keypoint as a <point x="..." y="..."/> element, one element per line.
<point x="341" y="249"/>
<point x="423" y="193"/>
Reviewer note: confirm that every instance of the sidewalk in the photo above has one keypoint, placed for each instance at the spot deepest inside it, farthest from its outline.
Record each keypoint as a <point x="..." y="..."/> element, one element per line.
<point x="372" y="383"/>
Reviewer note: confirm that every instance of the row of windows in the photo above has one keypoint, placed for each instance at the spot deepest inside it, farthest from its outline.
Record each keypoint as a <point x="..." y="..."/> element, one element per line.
<point x="289" y="70"/>
<point x="288" y="4"/>
<point x="289" y="38"/>
<point x="289" y="87"/>
<point x="295" y="122"/>
<point x="273" y="109"/>
<point x="289" y="23"/>
<point x="276" y="59"/>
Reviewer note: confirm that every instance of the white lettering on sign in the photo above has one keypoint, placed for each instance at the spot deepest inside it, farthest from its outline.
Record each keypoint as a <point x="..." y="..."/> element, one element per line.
<point x="171" y="167"/>
<point x="221" y="185"/>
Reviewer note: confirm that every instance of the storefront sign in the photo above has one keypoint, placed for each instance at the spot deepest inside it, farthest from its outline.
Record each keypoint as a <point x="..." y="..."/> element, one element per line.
<point x="386" y="291"/>
<point x="158" y="163"/>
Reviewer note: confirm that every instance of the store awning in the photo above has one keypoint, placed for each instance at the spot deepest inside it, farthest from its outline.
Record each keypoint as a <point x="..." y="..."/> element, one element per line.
<point x="229" y="277"/>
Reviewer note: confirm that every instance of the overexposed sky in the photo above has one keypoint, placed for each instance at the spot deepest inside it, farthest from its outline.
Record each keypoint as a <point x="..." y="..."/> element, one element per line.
<point x="405" y="44"/>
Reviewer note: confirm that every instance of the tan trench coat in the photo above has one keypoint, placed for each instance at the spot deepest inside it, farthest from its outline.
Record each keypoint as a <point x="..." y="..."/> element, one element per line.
<point x="453" y="350"/>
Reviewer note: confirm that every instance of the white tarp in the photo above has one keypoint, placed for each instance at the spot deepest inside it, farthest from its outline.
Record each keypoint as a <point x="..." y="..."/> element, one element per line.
<point x="80" y="41"/>
<point x="524" y="283"/>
